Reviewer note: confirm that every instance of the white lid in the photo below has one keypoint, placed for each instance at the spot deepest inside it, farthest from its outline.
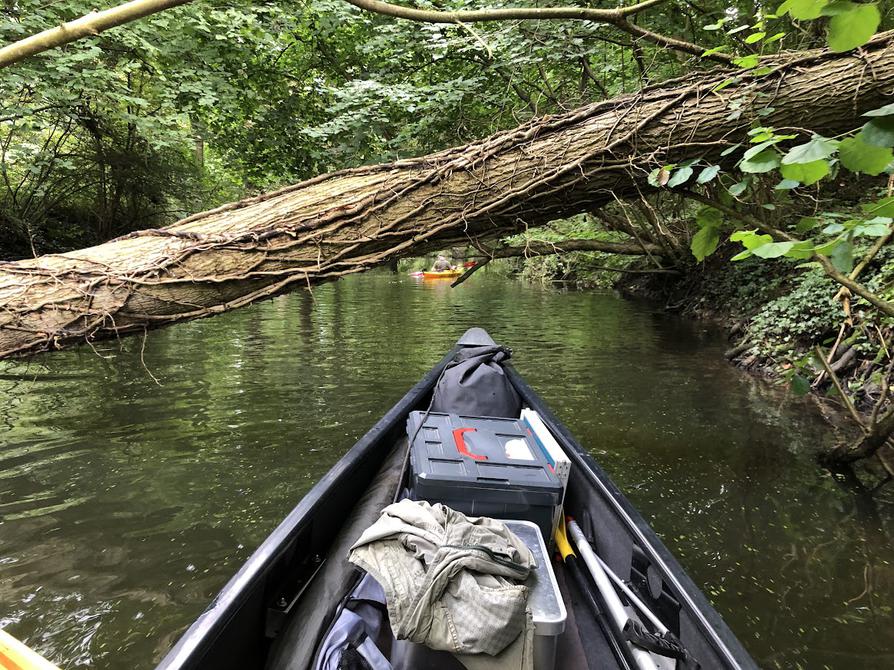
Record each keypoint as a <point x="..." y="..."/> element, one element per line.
<point x="544" y="597"/>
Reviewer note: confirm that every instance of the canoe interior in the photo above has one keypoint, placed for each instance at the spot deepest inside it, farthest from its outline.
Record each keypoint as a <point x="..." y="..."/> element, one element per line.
<point x="262" y="600"/>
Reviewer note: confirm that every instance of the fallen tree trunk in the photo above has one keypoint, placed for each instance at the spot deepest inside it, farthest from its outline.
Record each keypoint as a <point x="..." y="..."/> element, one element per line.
<point x="349" y="221"/>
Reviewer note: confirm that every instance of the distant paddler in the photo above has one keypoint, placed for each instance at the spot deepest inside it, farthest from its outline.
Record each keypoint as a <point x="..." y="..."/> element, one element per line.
<point x="442" y="264"/>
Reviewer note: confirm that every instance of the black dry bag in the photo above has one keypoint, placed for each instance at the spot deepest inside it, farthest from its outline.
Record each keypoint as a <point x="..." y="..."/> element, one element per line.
<point x="474" y="384"/>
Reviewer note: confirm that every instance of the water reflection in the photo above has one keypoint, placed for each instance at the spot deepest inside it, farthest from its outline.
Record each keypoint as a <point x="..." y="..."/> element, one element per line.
<point x="126" y="504"/>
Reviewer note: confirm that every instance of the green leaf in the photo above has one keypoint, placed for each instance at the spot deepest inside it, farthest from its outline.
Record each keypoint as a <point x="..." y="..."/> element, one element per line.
<point x="807" y="223"/>
<point x="709" y="216"/>
<point x="707" y="174"/>
<point x="883" y="207"/>
<point x="680" y="176"/>
<point x="742" y="255"/>
<point x="816" y="149"/>
<point x="798" y="385"/>
<point x="746" y="62"/>
<point x="728" y="82"/>
<point x="879" y="132"/>
<point x="766" y="160"/>
<point x="704" y="242"/>
<point x="801" y="250"/>
<point x="829" y="247"/>
<point x="843" y="257"/>
<point x="834" y="228"/>
<point x="739" y="29"/>
<point x="729" y="150"/>
<point x="787" y="184"/>
<point x="803" y="10"/>
<point x="887" y="110"/>
<point x="877" y="227"/>
<point x="773" y="249"/>
<point x="755" y="150"/>
<point x="854" y="27"/>
<point x="858" y="156"/>
<point x="806" y="173"/>
<point x="750" y="239"/>
<point x="774" y="38"/>
<point x="738" y="188"/>
<point x="755" y="37"/>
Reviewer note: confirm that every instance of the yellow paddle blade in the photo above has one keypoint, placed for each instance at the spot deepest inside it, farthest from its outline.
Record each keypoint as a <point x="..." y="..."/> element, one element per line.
<point x="16" y="656"/>
<point x="562" y="543"/>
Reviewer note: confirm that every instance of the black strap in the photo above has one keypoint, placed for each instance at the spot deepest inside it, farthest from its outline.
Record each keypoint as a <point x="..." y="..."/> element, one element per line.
<point x="664" y="644"/>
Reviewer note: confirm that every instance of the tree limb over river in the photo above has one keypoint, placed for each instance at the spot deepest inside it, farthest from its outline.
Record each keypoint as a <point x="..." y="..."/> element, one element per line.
<point x="348" y="221"/>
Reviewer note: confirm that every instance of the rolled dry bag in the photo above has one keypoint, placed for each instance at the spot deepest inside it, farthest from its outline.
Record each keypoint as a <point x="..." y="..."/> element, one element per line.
<point x="474" y="384"/>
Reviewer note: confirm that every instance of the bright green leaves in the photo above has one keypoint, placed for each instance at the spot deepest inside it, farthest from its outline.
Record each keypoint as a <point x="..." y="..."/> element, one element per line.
<point x="852" y="24"/>
<point x="883" y="207"/>
<point x="762" y="157"/>
<point x="798" y="385"/>
<point x="747" y="62"/>
<point x="816" y="149"/>
<point x="680" y="176"/>
<point x="859" y="156"/>
<point x="761" y="162"/>
<point x="805" y="173"/>
<point x="879" y="132"/>
<point x="705" y="241"/>
<point x="674" y="175"/>
<point x="803" y="10"/>
<point x="708" y="174"/>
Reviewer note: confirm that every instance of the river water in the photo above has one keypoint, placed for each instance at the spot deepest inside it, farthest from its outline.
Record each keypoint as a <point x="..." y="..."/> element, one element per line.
<point x="136" y="477"/>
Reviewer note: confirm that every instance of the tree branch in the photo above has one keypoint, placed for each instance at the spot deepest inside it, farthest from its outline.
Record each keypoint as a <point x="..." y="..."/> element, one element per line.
<point x="616" y="17"/>
<point x="86" y="26"/>
<point x="540" y="248"/>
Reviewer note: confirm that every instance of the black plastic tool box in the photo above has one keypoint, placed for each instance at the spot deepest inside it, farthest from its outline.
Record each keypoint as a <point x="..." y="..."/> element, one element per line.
<point x="482" y="467"/>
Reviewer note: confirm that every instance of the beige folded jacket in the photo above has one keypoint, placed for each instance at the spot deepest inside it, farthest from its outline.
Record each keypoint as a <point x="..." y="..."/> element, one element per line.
<point x="452" y="582"/>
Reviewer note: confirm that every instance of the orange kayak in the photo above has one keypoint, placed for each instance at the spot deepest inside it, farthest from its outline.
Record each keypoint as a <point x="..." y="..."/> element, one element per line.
<point x="446" y="274"/>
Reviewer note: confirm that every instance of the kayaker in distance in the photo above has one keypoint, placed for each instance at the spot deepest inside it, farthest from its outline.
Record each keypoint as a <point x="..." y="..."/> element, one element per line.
<point x="441" y="264"/>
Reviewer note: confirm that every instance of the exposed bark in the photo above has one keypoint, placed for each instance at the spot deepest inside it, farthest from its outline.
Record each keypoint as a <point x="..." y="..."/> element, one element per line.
<point x="348" y="221"/>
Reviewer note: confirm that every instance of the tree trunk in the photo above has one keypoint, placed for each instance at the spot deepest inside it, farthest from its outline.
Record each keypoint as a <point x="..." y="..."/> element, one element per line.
<point x="348" y="221"/>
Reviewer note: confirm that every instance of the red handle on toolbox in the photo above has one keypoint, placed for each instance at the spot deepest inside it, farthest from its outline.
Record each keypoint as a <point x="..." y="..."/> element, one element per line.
<point x="461" y="446"/>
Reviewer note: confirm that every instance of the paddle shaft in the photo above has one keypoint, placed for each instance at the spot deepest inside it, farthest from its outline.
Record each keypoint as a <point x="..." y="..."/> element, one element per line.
<point x="613" y="604"/>
<point x="632" y="597"/>
<point x="614" y="637"/>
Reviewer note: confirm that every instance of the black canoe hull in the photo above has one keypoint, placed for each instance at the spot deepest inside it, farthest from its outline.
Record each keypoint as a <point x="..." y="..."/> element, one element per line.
<point x="234" y="631"/>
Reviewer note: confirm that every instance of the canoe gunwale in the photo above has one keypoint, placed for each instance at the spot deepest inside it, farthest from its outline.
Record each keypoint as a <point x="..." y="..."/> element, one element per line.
<point x="692" y="597"/>
<point x="192" y="646"/>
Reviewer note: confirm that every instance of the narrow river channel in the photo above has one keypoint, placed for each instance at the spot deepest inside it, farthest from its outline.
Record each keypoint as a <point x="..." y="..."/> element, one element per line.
<point x="135" y="479"/>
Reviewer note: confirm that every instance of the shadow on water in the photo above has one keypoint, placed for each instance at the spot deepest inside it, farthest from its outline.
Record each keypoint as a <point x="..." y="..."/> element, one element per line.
<point x="125" y="505"/>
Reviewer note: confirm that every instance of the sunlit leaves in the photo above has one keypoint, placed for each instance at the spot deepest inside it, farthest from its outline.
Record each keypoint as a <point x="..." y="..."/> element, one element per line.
<point x="852" y="25"/>
<point x="708" y="174"/>
<point x="764" y="161"/>
<point x="802" y="10"/>
<point x="814" y="150"/>
<point x="705" y="241"/>
<point x="859" y="156"/>
<point x="805" y="173"/>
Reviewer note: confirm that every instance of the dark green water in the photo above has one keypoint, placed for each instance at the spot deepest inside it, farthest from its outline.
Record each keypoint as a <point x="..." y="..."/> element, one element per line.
<point x="125" y="504"/>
